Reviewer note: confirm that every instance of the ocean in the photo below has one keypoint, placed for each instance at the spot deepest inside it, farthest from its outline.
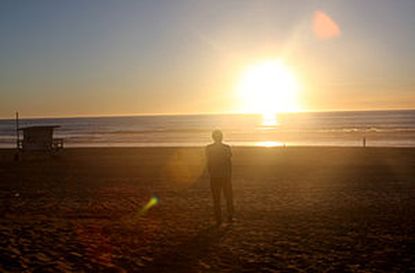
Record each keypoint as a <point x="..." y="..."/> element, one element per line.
<point x="380" y="128"/>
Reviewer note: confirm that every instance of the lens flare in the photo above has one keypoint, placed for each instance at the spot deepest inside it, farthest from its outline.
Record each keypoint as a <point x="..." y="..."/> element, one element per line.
<point x="154" y="200"/>
<point x="324" y="26"/>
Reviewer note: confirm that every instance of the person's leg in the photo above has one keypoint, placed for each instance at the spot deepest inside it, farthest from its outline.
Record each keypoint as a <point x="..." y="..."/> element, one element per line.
<point x="215" y="185"/>
<point x="228" y="192"/>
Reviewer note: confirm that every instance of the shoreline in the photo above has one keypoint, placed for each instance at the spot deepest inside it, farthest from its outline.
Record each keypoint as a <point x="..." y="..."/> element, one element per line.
<point x="9" y="152"/>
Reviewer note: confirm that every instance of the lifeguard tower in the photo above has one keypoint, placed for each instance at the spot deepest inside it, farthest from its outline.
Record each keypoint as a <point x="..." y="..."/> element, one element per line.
<point x="39" y="138"/>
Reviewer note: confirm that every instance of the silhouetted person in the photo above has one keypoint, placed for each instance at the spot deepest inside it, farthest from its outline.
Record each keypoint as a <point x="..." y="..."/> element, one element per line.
<point x="219" y="165"/>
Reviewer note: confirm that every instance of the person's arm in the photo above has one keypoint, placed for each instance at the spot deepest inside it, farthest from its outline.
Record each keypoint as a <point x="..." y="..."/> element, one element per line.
<point x="207" y="156"/>
<point x="229" y="151"/>
<point x="229" y="158"/>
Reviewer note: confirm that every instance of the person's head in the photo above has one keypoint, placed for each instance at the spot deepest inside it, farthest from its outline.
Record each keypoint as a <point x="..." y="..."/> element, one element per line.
<point x="217" y="136"/>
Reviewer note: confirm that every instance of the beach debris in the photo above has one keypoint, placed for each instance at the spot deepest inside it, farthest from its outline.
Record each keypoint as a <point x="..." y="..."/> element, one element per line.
<point x="204" y="265"/>
<point x="147" y="258"/>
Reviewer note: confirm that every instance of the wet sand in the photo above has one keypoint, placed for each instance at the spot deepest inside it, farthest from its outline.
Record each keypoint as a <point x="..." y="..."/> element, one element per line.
<point x="298" y="210"/>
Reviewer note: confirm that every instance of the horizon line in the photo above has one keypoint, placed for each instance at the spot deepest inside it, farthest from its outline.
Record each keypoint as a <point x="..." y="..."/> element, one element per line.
<point x="205" y="113"/>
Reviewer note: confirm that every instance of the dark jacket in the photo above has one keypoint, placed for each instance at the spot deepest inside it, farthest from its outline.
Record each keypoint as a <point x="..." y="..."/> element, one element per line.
<point x="218" y="157"/>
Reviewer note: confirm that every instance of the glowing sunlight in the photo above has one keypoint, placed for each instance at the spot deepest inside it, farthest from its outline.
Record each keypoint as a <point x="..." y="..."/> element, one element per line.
<point x="269" y="119"/>
<point x="269" y="144"/>
<point x="267" y="88"/>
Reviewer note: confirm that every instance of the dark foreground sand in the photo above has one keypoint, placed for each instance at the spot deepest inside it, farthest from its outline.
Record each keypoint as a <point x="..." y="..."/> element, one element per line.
<point x="298" y="209"/>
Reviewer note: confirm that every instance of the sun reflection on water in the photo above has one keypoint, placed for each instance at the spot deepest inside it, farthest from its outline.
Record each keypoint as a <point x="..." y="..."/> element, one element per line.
<point x="269" y="144"/>
<point x="269" y="120"/>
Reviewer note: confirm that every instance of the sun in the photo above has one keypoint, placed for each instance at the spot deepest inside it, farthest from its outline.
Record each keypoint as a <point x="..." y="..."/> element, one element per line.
<point x="268" y="87"/>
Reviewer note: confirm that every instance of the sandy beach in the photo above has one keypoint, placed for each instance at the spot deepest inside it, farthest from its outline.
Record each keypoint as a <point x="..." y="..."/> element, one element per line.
<point x="297" y="209"/>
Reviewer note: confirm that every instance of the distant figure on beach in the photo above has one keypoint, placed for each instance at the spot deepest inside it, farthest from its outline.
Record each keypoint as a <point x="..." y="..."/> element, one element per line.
<point x="219" y="166"/>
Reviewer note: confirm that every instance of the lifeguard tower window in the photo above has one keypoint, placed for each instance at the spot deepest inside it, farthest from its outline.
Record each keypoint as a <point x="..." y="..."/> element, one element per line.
<point x="39" y="138"/>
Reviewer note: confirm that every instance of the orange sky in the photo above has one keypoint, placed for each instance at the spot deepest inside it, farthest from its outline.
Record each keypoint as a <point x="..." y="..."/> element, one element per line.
<point x="77" y="58"/>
